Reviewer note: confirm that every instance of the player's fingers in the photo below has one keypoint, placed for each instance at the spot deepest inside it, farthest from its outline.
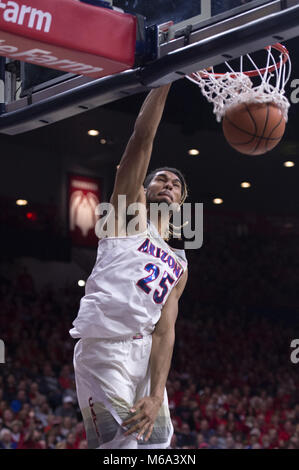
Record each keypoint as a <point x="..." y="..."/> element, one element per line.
<point x="144" y="428"/>
<point x="137" y="427"/>
<point x="137" y="405"/>
<point x="131" y="420"/>
<point x="150" y="430"/>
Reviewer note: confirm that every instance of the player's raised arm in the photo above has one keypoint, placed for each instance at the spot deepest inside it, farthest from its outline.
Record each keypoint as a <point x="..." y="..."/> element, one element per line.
<point x="135" y="160"/>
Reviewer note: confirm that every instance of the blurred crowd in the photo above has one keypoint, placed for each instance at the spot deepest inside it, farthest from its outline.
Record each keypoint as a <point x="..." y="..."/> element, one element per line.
<point x="232" y="384"/>
<point x="38" y="402"/>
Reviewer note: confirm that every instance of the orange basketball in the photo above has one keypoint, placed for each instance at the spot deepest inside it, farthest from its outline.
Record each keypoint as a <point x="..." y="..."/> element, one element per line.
<point x="254" y="128"/>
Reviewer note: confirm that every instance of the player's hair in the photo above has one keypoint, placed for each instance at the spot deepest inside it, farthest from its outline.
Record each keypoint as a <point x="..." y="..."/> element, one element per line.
<point x="177" y="172"/>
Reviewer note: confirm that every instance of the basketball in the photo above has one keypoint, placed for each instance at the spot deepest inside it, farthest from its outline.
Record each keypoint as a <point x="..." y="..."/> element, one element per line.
<point x="254" y="128"/>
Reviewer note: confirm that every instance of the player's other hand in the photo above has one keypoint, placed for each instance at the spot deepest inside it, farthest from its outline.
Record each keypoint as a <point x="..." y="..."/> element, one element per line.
<point x="146" y="411"/>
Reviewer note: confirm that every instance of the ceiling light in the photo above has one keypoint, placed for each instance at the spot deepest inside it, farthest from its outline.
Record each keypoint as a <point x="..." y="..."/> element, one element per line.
<point x="193" y="152"/>
<point x="93" y="132"/>
<point x="245" y="184"/>
<point x="21" y="202"/>
<point x="103" y="141"/>
<point x="289" y="164"/>
<point x="217" y="200"/>
<point x="81" y="283"/>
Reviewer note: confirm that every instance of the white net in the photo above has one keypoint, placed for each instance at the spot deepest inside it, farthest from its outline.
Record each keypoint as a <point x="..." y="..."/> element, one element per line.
<point x="232" y="88"/>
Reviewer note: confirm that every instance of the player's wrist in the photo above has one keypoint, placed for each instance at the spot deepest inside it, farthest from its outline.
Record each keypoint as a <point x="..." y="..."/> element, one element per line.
<point x="157" y="397"/>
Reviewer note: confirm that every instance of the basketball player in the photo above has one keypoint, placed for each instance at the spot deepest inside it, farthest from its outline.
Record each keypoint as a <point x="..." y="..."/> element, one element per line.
<point x="126" y="320"/>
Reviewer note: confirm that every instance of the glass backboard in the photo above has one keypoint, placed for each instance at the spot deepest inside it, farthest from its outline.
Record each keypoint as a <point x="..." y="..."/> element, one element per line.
<point x="160" y="11"/>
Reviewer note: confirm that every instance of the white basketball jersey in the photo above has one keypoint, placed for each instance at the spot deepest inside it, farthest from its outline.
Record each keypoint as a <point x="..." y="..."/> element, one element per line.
<point x="129" y="284"/>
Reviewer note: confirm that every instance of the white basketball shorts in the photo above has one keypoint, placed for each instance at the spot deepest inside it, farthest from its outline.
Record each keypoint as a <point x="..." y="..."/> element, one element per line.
<point x="111" y="376"/>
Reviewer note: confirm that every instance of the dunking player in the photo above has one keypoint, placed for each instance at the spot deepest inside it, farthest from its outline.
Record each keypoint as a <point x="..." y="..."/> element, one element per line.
<point x="126" y="320"/>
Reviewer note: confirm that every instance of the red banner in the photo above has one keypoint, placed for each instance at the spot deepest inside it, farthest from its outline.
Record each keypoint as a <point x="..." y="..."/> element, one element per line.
<point x="68" y="35"/>
<point x="84" y="197"/>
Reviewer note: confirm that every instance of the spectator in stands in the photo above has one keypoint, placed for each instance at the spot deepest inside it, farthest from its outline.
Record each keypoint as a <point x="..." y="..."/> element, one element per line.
<point x="16" y="431"/>
<point x="83" y="444"/>
<point x="32" y="437"/>
<point x="42" y="412"/>
<point x="205" y="429"/>
<point x="186" y="437"/>
<point x="67" y="408"/>
<point x="221" y="435"/>
<point x="71" y="441"/>
<point x="6" y="439"/>
<point x="202" y="443"/>
<point x="213" y="442"/>
<point x="49" y="386"/>
<point x="66" y="425"/>
<point x="8" y="417"/>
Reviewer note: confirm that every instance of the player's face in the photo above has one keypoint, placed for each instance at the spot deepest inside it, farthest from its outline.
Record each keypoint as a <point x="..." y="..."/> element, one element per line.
<point x="164" y="187"/>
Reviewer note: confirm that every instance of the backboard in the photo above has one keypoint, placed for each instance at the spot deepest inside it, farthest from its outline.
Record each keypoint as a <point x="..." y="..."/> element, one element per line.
<point x="174" y="38"/>
<point x="180" y="11"/>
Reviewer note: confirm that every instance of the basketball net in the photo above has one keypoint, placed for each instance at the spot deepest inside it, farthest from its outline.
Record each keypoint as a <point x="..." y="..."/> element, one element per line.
<point x="226" y="90"/>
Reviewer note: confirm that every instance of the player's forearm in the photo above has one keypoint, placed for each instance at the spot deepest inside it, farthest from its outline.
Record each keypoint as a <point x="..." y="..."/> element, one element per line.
<point x="135" y="160"/>
<point x="160" y="361"/>
<point x="150" y="114"/>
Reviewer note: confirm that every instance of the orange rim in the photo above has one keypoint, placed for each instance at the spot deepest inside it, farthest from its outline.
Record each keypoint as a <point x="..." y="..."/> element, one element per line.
<point x="254" y="73"/>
